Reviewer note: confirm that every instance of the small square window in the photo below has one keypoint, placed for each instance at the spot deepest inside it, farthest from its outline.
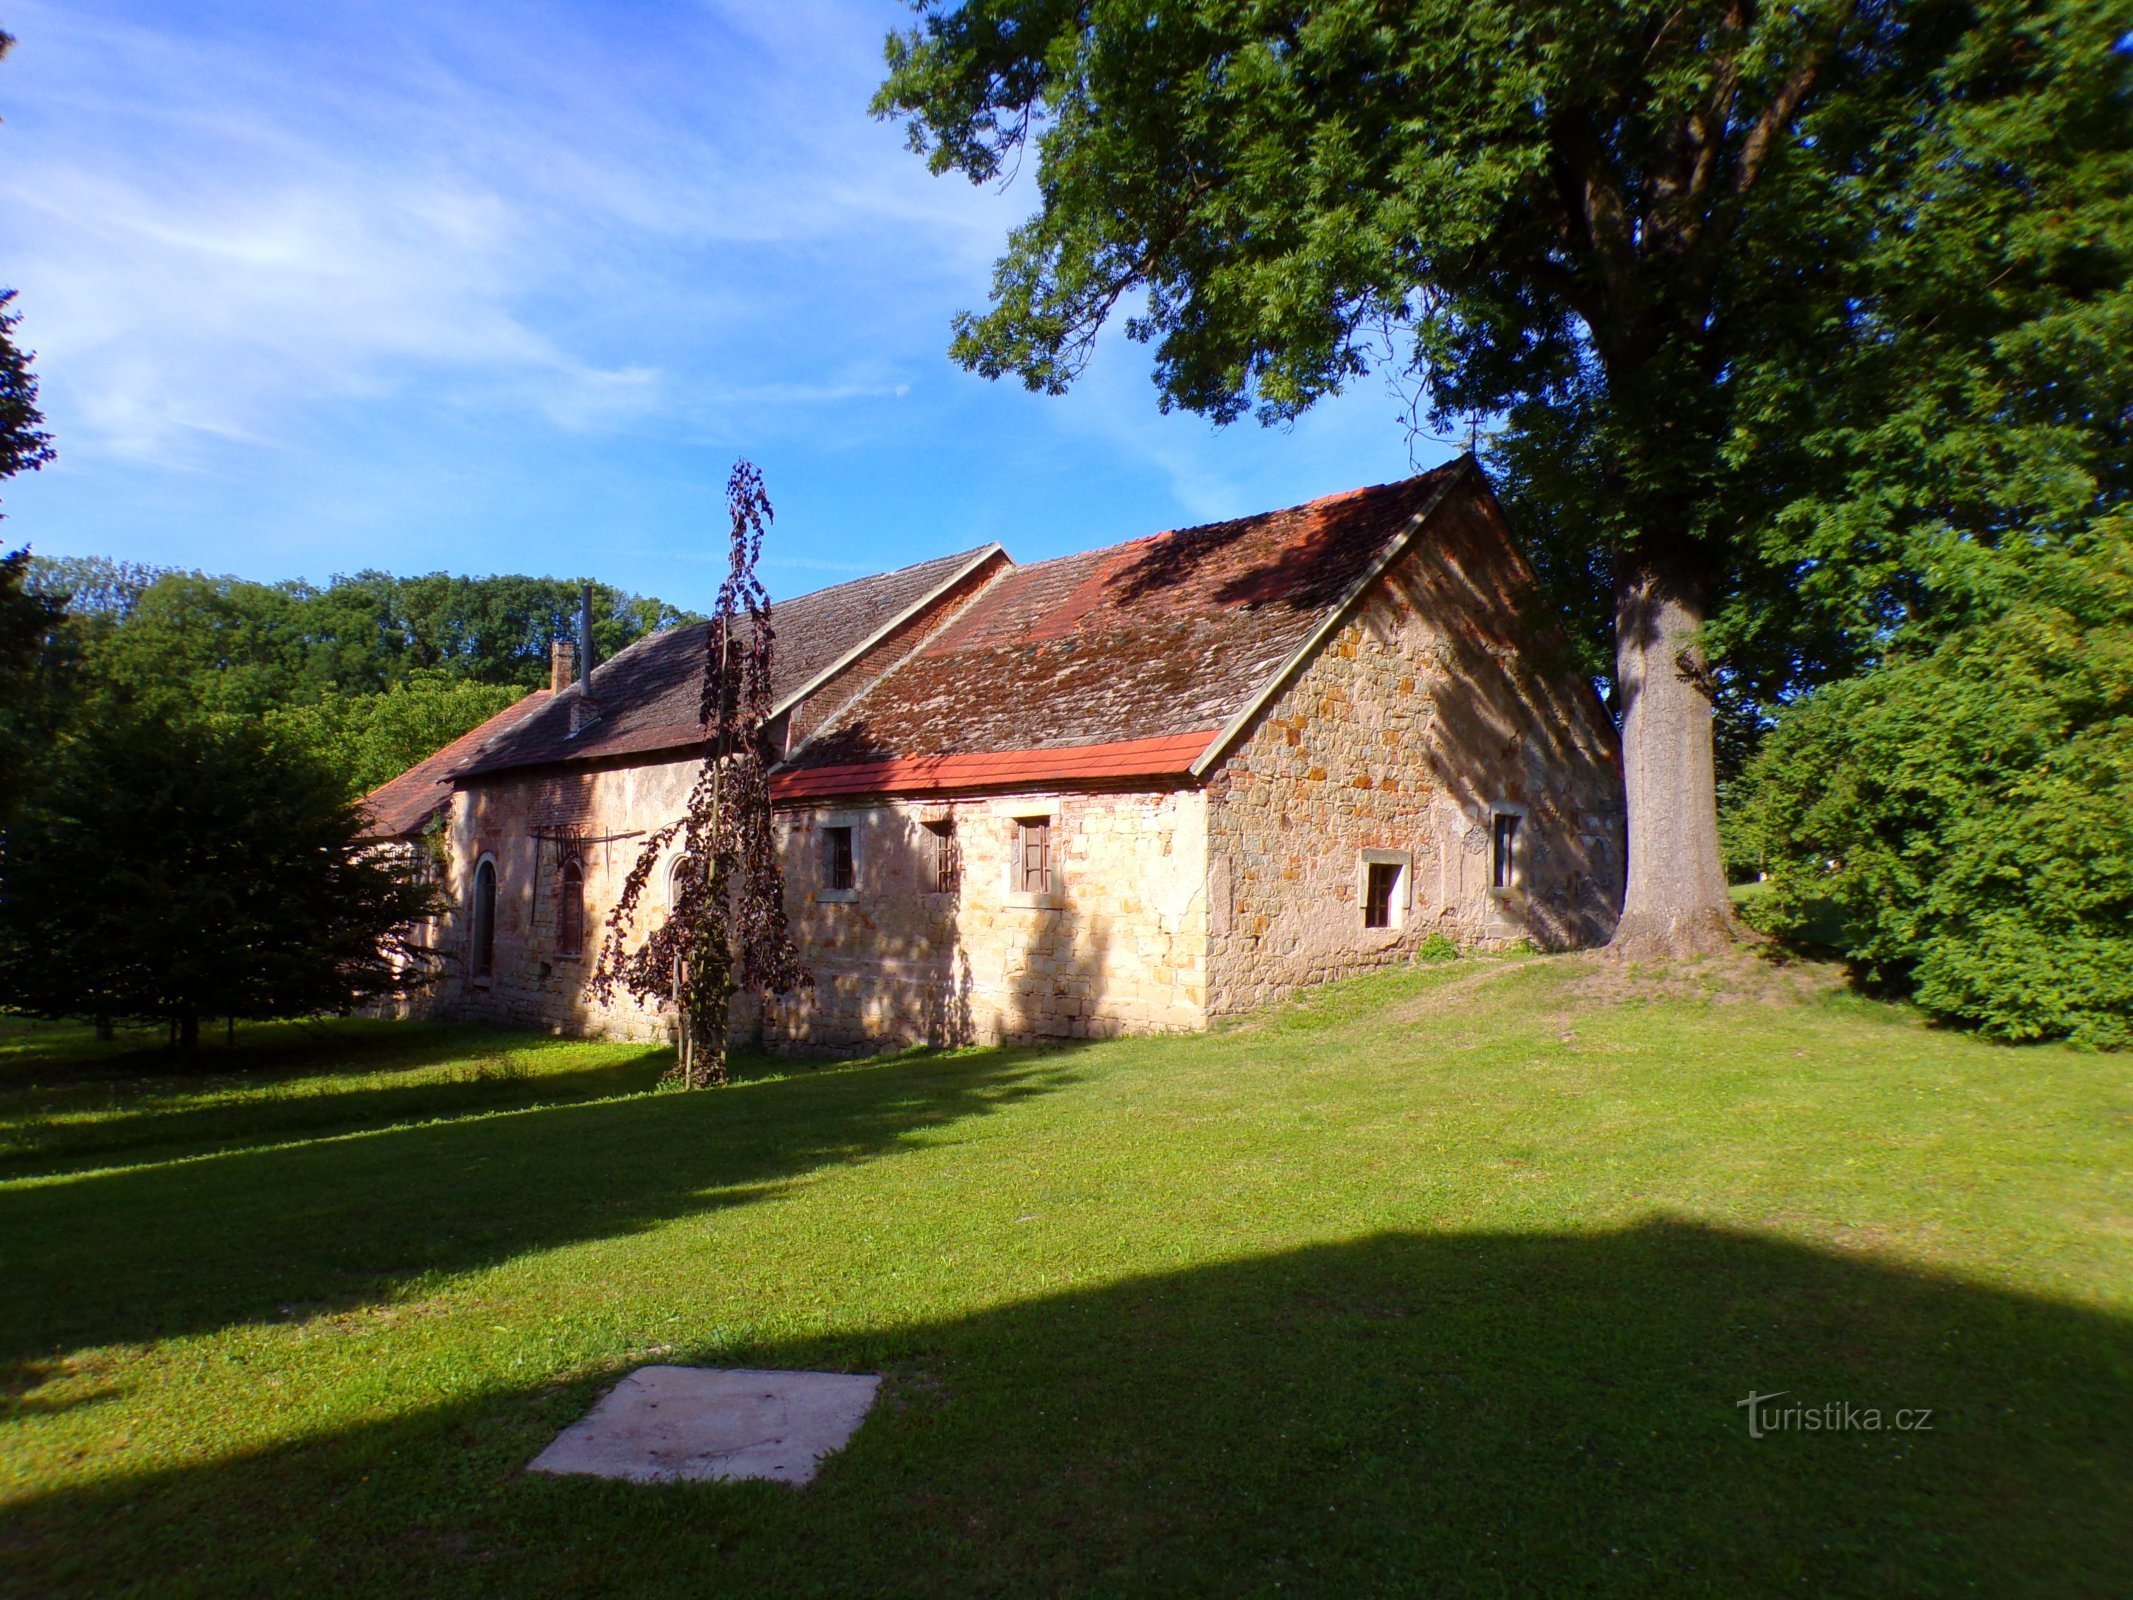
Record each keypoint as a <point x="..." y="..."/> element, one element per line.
<point x="1381" y="881"/>
<point x="947" y="858"/>
<point x="839" y="870"/>
<point x="1033" y="855"/>
<point x="1503" y="850"/>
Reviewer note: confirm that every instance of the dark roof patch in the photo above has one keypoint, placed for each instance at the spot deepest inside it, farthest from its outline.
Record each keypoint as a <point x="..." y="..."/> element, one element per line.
<point x="647" y="697"/>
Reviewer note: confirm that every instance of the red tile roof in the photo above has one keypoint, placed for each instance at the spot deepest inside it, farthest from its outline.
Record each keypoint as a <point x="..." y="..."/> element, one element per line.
<point x="404" y="806"/>
<point x="1127" y="662"/>
<point x="648" y="695"/>
<point x="1139" y="644"/>
<point x="1170" y="756"/>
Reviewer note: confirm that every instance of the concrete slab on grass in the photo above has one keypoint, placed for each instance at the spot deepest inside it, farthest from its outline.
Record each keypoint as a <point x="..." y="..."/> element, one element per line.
<point x="661" y="1424"/>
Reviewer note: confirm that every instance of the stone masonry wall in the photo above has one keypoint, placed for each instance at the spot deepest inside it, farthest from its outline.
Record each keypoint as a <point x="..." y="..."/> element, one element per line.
<point x="534" y="983"/>
<point x="1119" y="947"/>
<point x="1418" y="722"/>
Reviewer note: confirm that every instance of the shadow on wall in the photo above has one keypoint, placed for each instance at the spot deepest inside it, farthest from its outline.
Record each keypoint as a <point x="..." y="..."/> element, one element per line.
<point x="889" y="965"/>
<point x="1453" y="1414"/>
<point x="1061" y="988"/>
<point x="297" y="1229"/>
<point x="895" y="965"/>
<point x="1504" y="722"/>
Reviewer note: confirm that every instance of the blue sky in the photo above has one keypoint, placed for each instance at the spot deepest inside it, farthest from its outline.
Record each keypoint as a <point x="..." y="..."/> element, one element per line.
<point x="320" y="286"/>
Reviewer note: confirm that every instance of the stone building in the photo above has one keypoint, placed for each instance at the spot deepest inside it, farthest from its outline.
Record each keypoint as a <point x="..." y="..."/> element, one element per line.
<point x="1122" y="791"/>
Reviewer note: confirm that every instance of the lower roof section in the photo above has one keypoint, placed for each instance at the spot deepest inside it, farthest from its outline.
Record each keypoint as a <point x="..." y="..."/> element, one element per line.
<point x="1170" y="756"/>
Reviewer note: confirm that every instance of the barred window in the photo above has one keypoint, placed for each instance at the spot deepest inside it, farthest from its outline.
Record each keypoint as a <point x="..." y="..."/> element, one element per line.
<point x="570" y="910"/>
<point x="839" y="869"/>
<point x="947" y="857"/>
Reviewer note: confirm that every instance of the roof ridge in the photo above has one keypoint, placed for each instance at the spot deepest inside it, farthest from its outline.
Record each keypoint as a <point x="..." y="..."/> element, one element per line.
<point x="875" y="577"/>
<point x="1336" y="498"/>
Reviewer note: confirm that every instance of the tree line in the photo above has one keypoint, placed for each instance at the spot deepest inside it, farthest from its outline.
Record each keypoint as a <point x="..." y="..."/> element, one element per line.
<point x="372" y="671"/>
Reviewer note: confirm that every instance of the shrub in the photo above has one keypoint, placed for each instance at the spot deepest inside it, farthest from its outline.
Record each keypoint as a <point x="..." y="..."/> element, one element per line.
<point x="1967" y="814"/>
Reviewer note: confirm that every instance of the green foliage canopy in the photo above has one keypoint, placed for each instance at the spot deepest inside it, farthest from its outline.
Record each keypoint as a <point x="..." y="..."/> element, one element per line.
<point x="1967" y="812"/>
<point x="1718" y="275"/>
<point x="371" y="673"/>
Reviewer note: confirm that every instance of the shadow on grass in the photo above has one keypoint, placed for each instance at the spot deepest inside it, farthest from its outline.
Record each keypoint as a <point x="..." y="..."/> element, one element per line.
<point x="1481" y="1414"/>
<point x="501" y="1073"/>
<point x="268" y="1233"/>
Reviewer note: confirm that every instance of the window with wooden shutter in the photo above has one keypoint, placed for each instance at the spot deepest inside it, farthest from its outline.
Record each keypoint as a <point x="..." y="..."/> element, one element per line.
<point x="1033" y="847"/>
<point x="1382" y="879"/>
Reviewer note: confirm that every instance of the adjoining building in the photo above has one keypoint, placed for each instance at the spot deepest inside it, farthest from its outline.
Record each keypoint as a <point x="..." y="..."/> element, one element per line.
<point x="1123" y="791"/>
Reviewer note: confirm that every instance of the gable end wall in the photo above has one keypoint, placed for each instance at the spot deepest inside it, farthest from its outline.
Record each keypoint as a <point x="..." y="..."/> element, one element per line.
<point x="1416" y="720"/>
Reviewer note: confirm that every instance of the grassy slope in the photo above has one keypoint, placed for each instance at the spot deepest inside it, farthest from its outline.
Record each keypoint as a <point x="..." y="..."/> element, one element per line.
<point x="1446" y="1282"/>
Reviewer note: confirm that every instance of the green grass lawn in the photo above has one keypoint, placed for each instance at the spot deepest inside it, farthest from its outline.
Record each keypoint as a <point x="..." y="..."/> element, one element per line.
<point x="1447" y="1282"/>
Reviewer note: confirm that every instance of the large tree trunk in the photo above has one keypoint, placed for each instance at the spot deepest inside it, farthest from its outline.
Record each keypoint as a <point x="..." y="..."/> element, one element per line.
<point x="1675" y="903"/>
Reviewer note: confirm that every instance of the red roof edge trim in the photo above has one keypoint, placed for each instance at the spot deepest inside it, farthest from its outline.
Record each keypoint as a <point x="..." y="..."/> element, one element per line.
<point x="1169" y="756"/>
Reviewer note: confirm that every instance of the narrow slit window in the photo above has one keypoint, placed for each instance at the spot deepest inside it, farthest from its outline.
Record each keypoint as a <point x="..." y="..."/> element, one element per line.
<point x="1033" y="855"/>
<point x="570" y="911"/>
<point x="1381" y="882"/>
<point x="1503" y="851"/>
<point x="947" y="861"/>
<point x="839" y="870"/>
<point x="484" y="919"/>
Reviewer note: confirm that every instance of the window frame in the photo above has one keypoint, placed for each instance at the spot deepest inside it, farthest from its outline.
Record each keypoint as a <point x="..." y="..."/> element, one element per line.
<point x="1400" y="898"/>
<point x="571" y="912"/>
<point x="481" y="921"/>
<point x="947" y="874"/>
<point x="1018" y="814"/>
<point x="1507" y="861"/>
<point x="825" y="889"/>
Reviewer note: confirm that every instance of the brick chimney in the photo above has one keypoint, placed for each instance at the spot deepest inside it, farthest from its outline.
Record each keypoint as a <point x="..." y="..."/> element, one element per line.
<point x="562" y="665"/>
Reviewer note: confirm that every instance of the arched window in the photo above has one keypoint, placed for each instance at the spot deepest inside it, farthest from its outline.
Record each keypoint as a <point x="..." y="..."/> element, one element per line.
<point x="484" y="919"/>
<point x="677" y="875"/>
<point x="570" y="910"/>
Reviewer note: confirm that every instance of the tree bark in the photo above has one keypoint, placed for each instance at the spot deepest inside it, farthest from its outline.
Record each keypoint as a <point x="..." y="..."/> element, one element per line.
<point x="1675" y="902"/>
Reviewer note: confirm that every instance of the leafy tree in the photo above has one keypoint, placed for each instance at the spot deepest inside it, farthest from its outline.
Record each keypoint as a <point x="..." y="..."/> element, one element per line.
<point x="27" y="619"/>
<point x="726" y="931"/>
<point x="93" y="587"/>
<point x="180" y="868"/>
<point x="369" y="739"/>
<point x="27" y="622"/>
<point x="1967" y="812"/>
<point x="24" y="445"/>
<point x="1662" y="246"/>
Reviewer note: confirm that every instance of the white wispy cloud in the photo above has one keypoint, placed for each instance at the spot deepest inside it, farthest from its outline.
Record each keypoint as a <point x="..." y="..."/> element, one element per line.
<point x="216" y="236"/>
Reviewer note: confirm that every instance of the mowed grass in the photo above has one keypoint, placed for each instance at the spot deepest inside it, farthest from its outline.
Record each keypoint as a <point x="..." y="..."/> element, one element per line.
<point x="1446" y="1282"/>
